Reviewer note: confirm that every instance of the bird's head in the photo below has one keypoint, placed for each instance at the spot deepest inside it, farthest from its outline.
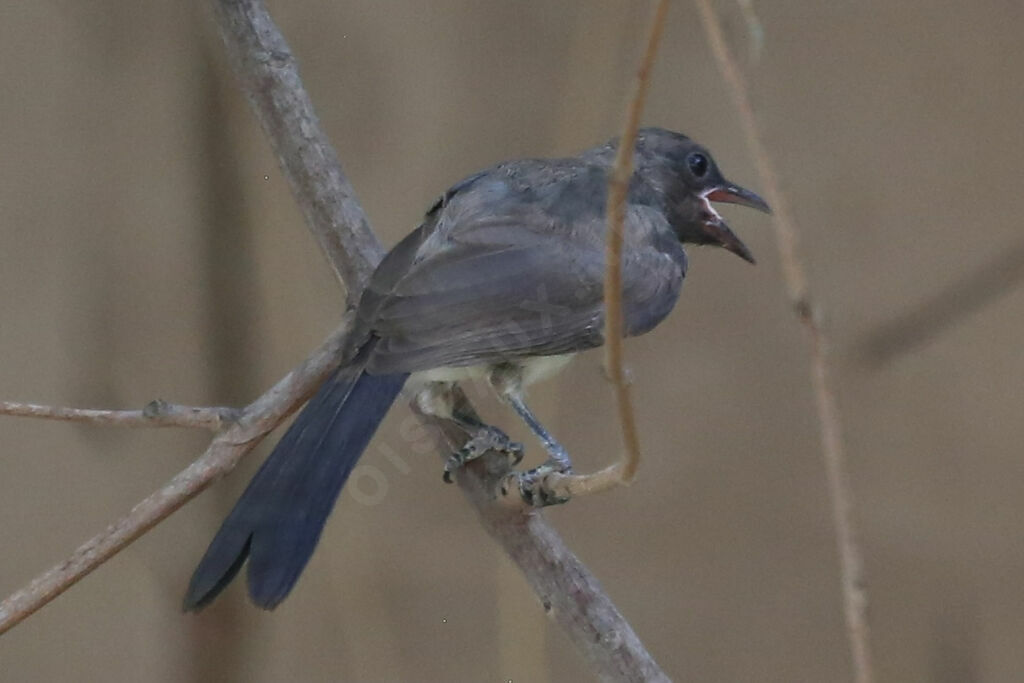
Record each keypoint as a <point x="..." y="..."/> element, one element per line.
<point x="689" y="180"/>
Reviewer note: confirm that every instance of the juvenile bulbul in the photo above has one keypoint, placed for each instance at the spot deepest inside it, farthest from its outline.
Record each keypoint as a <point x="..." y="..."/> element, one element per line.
<point x="502" y="281"/>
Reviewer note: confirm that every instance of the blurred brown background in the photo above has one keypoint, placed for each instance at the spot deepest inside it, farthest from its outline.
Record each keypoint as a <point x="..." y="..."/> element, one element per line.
<point x="150" y="249"/>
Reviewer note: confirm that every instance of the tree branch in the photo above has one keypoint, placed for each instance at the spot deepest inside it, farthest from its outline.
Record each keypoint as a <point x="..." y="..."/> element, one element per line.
<point x="829" y="421"/>
<point x="944" y="309"/>
<point x="570" y="595"/>
<point x="269" y="77"/>
<point x="157" y="413"/>
<point x="255" y="422"/>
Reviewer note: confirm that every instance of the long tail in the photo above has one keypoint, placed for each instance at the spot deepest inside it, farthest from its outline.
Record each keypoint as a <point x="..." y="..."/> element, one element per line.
<point x="277" y="521"/>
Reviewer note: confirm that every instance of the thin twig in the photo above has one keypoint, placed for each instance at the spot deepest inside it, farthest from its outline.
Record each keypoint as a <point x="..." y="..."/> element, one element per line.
<point x="830" y="425"/>
<point x="755" y="30"/>
<point x="224" y="452"/>
<point x="622" y="472"/>
<point x="618" y="188"/>
<point x="156" y="414"/>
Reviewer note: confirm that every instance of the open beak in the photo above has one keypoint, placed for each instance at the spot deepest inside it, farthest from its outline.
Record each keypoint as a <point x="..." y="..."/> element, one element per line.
<point x="720" y="234"/>
<point x="717" y="229"/>
<point x="734" y="194"/>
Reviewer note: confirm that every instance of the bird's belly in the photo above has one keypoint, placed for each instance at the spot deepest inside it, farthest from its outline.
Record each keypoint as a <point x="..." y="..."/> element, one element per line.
<point x="542" y="367"/>
<point x="458" y="374"/>
<point x="535" y="369"/>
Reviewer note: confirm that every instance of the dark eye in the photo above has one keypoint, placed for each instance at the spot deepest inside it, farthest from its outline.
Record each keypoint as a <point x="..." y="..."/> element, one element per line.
<point x="698" y="164"/>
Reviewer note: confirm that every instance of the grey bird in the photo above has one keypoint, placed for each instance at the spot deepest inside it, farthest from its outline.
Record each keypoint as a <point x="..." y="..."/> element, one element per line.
<point x="502" y="281"/>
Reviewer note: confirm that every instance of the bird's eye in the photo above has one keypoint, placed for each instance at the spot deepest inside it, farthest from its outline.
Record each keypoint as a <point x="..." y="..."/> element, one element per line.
<point x="698" y="164"/>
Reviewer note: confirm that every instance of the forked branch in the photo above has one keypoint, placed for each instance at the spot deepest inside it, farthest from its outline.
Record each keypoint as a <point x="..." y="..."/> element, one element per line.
<point x="255" y="422"/>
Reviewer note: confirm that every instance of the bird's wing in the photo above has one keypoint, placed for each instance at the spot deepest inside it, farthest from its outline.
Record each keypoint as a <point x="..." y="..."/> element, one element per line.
<point x="471" y="287"/>
<point x="476" y="304"/>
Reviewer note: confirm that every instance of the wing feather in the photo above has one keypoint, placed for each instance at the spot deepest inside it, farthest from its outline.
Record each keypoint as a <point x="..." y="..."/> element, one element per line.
<point x="471" y="286"/>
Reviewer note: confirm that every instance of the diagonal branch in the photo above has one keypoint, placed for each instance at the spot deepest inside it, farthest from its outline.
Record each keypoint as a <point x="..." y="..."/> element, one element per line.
<point x="944" y="309"/>
<point x="157" y="413"/>
<point x="830" y="424"/>
<point x="256" y="421"/>
<point x="570" y="595"/>
<point x="269" y="77"/>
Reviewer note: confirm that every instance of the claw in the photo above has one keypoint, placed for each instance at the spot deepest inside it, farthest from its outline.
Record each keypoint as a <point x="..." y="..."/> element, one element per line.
<point x="484" y="439"/>
<point x="534" y="489"/>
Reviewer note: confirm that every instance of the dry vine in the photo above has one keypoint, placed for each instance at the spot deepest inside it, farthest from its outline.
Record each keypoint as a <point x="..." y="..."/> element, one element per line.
<point x="795" y="274"/>
<point x="622" y="472"/>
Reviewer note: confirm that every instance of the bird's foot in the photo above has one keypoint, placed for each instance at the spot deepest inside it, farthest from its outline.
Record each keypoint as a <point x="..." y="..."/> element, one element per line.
<point x="535" y="488"/>
<point x="482" y="439"/>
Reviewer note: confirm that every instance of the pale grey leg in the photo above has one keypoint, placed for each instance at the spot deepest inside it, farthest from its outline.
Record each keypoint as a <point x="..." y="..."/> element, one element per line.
<point x="558" y="457"/>
<point x="506" y="381"/>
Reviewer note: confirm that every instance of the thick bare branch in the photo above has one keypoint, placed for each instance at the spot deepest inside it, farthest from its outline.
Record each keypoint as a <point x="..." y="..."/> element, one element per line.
<point x="570" y="595"/>
<point x="830" y="425"/>
<point x="269" y="76"/>
<point x="157" y="413"/>
<point x="224" y="452"/>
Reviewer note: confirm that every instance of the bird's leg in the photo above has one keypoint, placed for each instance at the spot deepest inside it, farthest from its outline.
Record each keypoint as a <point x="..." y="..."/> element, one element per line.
<point x="482" y="438"/>
<point x="436" y="399"/>
<point x="532" y="483"/>
<point x="507" y="381"/>
<point x="558" y="457"/>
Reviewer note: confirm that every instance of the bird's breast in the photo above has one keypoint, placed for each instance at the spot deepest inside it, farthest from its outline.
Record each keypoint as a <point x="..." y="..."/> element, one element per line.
<point x="652" y="289"/>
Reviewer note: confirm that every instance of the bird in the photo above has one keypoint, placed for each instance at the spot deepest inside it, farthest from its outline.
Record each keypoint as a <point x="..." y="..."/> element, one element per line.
<point x="502" y="282"/>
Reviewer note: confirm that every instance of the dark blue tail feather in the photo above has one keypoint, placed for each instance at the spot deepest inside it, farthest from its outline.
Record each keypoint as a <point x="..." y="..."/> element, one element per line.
<point x="277" y="522"/>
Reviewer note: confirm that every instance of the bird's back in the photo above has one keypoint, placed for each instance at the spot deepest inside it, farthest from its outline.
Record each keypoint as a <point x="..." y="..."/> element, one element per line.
<point x="510" y="263"/>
